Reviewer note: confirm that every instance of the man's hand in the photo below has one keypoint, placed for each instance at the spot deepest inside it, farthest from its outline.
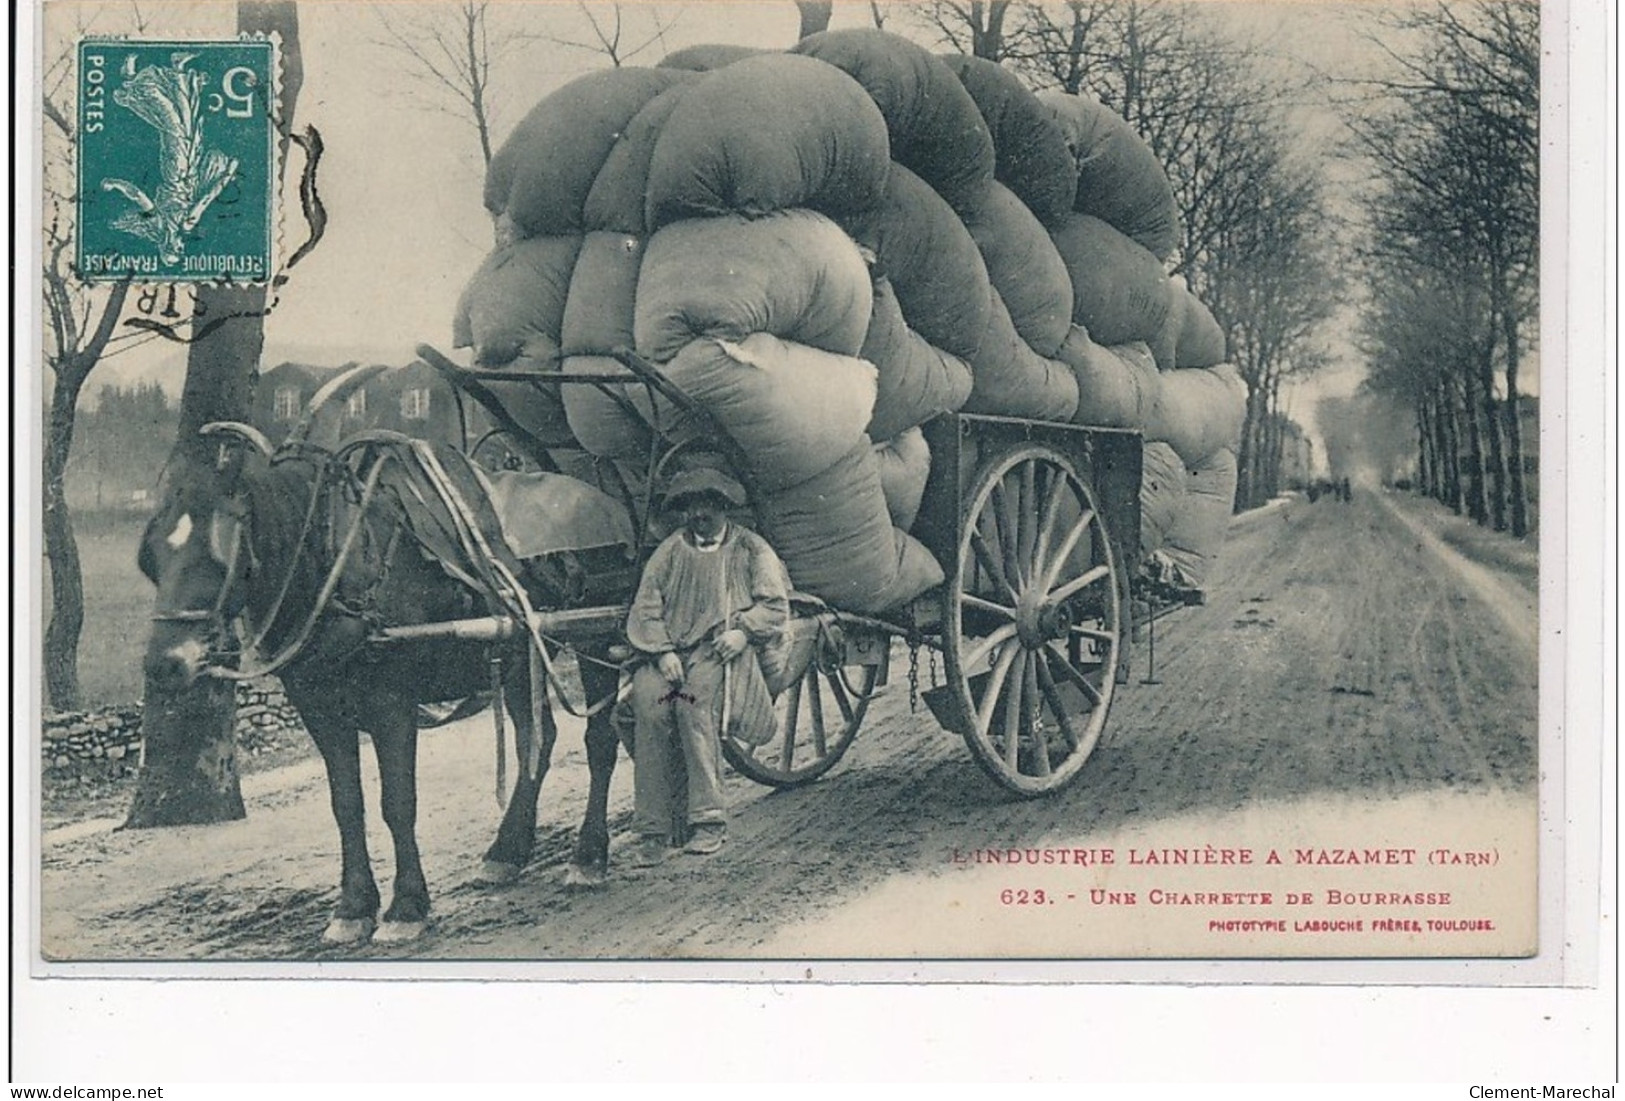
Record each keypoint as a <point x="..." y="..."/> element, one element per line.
<point x="730" y="644"/>
<point x="671" y="667"/>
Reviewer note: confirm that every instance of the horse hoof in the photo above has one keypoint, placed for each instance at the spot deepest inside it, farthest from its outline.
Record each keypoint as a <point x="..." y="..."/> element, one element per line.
<point x="578" y="877"/>
<point x="347" y="930"/>
<point x="398" y="932"/>
<point x="495" y="873"/>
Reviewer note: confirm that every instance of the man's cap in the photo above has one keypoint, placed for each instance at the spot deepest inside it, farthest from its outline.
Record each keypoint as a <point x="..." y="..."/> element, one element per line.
<point x="696" y="483"/>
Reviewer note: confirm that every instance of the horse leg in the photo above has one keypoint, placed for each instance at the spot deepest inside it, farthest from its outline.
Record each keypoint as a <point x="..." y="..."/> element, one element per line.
<point x="590" y="864"/>
<point x="356" y="914"/>
<point x="395" y="738"/>
<point x="516" y="836"/>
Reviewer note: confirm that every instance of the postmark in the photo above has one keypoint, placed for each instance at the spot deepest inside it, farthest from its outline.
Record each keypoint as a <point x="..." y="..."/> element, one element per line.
<point x="177" y="157"/>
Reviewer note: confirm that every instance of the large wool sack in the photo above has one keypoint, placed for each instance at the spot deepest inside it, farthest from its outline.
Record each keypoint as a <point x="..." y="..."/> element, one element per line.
<point x="905" y="464"/>
<point x="707" y="56"/>
<point x="1198" y="411"/>
<point x="1201" y="341"/>
<point x="838" y="543"/>
<point x="540" y="177"/>
<point x="1030" y="154"/>
<point x="1199" y="527"/>
<point x="1119" y="291"/>
<point x="539" y="409"/>
<point x="1116" y="385"/>
<point x="934" y="127"/>
<point x="1120" y="179"/>
<point x="794" y="274"/>
<point x="935" y="268"/>
<point x="616" y="198"/>
<point x="1010" y="379"/>
<point x="610" y="420"/>
<point x="1024" y="268"/>
<point x="769" y="133"/>
<point x="793" y="410"/>
<point x="515" y="300"/>
<point x="1162" y="495"/>
<point x="916" y="380"/>
<point x="1165" y="346"/>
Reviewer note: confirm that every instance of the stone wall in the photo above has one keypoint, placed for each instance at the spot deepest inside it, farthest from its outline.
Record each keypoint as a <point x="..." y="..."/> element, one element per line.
<point x="108" y="741"/>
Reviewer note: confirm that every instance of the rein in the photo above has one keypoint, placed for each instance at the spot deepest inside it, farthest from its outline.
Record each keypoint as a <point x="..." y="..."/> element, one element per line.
<point x="217" y="614"/>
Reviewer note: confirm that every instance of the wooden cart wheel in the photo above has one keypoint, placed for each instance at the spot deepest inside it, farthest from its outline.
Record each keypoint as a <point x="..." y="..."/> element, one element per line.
<point x="818" y="719"/>
<point x="1032" y="621"/>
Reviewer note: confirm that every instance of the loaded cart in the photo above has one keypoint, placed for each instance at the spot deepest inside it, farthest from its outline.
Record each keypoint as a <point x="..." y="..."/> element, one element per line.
<point x="1036" y="526"/>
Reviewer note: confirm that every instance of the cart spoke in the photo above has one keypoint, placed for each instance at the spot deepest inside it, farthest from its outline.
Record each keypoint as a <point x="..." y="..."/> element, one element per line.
<point x="1082" y="581"/>
<point x="839" y="693"/>
<point x="1031" y="713"/>
<point x="1052" y="694"/>
<point x="989" y="564"/>
<point x="1058" y="562"/>
<point x="1013" y="709"/>
<point x="1098" y="634"/>
<point x="1004" y="514"/>
<point x="971" y="600"/>
<point x="1073" y="674"/>
<point x="1027" y="520"/>
<point x="815" y="697"/>
<point x="990" y="692"/>
<point x="1050" y="514"/>
<point x="985" y="646"/>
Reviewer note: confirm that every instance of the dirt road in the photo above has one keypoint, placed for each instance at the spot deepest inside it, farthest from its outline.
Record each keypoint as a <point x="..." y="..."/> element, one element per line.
<point x="1346" y="664"/>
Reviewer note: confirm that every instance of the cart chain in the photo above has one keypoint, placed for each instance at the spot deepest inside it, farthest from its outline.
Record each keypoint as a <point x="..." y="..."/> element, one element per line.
<point x="933" y="659"/>
<point x="914" y="675"/>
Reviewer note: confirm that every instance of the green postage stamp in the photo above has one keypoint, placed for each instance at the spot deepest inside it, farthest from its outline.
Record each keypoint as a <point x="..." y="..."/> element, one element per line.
<point x="177" y="160"/>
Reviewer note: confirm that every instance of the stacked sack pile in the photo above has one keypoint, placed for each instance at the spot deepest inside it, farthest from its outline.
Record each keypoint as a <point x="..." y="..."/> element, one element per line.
<point x="826" y="249"/>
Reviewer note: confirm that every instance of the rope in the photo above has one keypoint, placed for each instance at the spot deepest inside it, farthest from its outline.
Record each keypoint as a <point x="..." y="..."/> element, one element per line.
<point x="290" y="651"/>
<point x="507" y="585"/>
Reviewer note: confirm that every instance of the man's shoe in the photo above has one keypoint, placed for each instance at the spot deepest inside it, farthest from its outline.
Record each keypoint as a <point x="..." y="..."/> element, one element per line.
<point x="707" y="838"/>
<point x="647" y="851"/>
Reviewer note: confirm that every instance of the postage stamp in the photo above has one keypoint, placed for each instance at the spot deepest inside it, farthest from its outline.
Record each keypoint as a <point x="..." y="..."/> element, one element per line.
<point x="177" y="160"/>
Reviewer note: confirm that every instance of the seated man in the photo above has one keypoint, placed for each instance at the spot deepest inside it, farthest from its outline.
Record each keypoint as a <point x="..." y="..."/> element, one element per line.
<point x="711" y="596"/>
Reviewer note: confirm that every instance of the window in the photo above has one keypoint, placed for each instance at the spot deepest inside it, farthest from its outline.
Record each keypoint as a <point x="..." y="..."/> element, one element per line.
<point x="355" y="406"/>
<point x="415" y="404"/>
<point x="285" y="403"/>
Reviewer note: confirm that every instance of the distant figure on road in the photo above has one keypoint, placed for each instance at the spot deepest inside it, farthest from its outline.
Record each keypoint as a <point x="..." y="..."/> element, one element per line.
<point x="1344" y="492"/>
<point x="712" y="595"/>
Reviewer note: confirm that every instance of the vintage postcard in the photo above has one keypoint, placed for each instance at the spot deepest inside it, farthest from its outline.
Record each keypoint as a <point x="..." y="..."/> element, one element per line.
<point x="736" y="490"/>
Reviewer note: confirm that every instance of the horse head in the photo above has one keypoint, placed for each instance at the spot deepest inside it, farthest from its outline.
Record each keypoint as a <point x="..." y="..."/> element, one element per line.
<point x="195" y="551"/>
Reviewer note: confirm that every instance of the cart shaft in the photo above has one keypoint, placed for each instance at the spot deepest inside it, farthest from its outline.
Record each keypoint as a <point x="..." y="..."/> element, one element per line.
<point x="496" y="628"/>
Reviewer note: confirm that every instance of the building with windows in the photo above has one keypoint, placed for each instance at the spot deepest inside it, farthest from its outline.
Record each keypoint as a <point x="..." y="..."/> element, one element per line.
<point x="413" y="400"/>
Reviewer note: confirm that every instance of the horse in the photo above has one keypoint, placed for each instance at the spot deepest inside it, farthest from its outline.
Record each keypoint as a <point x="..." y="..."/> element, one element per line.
<point x="313" y="562"/>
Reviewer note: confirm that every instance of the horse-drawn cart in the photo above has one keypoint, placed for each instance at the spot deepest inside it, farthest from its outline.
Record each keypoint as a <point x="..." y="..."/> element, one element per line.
<point x="1035" y="525"/>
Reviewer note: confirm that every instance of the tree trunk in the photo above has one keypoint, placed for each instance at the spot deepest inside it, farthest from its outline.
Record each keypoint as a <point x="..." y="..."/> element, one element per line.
<point x="1494" y="455"/>
<point x="189" y="752"/>
<point x="1424" y="458"/>
<point x="188" y="758"/>
<point x="814" y="16"/>
<point x="1450" y="429"/>
<point x="61" y="644"/>
<point x="987" y="29"/>
<point x="1477" y="505"/>
<point x="1518" y="492"/>
<point x="1247" y="458"/>
<point x="60" y="647"/>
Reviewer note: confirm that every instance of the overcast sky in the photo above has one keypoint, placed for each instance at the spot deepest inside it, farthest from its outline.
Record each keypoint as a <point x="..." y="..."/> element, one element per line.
<point x="401" y="180"/>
